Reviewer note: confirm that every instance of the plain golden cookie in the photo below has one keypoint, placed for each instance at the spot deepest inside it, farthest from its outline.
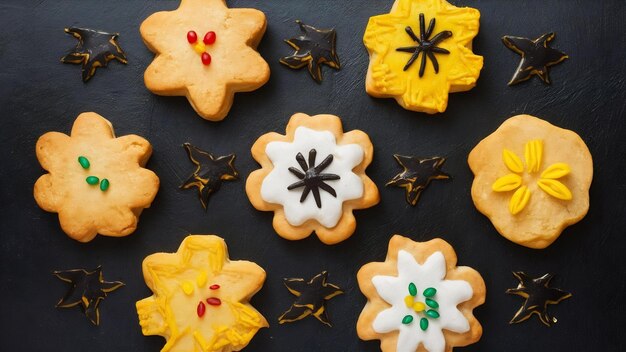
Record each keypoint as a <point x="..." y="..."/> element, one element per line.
<point x="531" y="179"/>
<point x="95" y="181"/>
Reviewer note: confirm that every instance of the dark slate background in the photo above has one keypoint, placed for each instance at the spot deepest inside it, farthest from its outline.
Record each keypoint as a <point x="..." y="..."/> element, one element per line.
<point x="39" y="94"/>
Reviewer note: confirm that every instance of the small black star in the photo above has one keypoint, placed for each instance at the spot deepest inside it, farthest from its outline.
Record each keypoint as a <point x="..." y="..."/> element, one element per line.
<point x="94" y="49"/>
<point x="417" y="174"/>
<point x="538" y="295"/>
<point x="428" y="47"/>
<point x="209" y="173"/>
<point x="314" y="47"/>
<point x="537" y="56"/>
<point x="88" y="289"/>
<point x="313" y="179"/>
<point x="312" y="297"/>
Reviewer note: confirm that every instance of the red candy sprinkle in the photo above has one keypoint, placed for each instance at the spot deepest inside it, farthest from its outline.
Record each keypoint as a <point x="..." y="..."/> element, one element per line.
<point x="206" y="58"/>
<point x="201" y="309"/>
<point x="192" y="37"/>
<point x="214" y="301"/>
<point x="209" y="38"/>
<point x="214" y="287"/>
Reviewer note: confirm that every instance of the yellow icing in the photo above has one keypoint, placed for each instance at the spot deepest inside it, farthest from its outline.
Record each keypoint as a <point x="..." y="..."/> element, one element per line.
<point x="533" y="154"/>
<point x="171" y="311"/>
<point x="458" y="71"/>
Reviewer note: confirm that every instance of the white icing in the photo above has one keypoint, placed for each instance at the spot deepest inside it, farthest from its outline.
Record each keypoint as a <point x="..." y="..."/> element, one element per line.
<point x="449" y="294"/>
<point x="283" y="155"/>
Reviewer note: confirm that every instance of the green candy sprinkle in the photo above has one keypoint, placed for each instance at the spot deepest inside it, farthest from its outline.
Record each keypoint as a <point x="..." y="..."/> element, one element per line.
<point x="84" y="162"/>
<point x="407" y="319"/>
<point x="92" y="180"/>
<point x="104" y="184"/>
<point x="412" y="289"/>
<point x="432" y="303"/>
<point x="423" y="324"/>
<point x="429" y="292"/>
<point x="432" y="313"/>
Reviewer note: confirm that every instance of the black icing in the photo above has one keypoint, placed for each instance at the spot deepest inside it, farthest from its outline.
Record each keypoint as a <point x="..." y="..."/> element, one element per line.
<point x="312" y="179"/>
<point x="425" y="45"/>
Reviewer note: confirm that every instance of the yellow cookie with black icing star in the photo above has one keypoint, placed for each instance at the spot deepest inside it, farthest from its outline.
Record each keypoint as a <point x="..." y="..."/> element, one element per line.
<point x="531" y="179"/>
<point x="421" y="51"/>
<point x="201" y="298"/>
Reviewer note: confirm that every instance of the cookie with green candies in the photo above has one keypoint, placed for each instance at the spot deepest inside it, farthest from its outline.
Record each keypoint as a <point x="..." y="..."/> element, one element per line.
<point x="96" y="182"/>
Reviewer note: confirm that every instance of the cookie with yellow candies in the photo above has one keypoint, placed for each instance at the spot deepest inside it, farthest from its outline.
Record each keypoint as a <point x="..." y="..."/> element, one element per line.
<point x="95" y="181"/>
<point x="205" y="52"/>
<point x="201" y="298"/>
<point x="421" y="51"/>
<point x="531" y="179"/>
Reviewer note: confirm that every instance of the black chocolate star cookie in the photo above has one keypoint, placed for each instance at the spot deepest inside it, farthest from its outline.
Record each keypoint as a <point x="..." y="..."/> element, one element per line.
<point x="417" y="174"/>
<point x="94" y="49"/>
<point x="537" y="56"/>
<point x="538" y="295"/>
<point x="314" y="47"/>
<point x="210" y="172"/>
<point x="312" y="297"/>
<point x="88" y="289"/>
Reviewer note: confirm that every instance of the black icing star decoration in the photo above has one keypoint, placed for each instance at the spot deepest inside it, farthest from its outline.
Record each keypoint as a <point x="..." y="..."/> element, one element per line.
<point x="417" y="175"/>
<point x="88" y="289"/>
<point x="425" y="45"/>
<point x="537" y="56"/>
<point x="312" y="178"/>
<point x="312" y="296"/>
<point x="94" y="49"/>
<point x="209" y="173"/>
<point x="314" y="47"/>
<point x="538" y="295"/>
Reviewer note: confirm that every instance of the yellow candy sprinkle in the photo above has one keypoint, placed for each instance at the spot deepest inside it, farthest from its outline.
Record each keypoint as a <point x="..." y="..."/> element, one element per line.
<point x="408" y="300"/>
<point x="555" y="171"/>
<point x="187" y="288"/>
<point x="555" y="189"/>
<point x="199" y="47"/>
<point x="419" y="307"/>
<point x="533" y="152"/>
<point x="512" y="161"/>
<point x="519" y="200"/>
<point x="201" y="279"/>
<point x="507" y="183"/>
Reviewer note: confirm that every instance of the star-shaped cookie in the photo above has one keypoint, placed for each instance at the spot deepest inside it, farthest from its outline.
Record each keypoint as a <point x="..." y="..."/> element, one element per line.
<point x="537" y="56"/>
<point x="209" y="173"/>
<point x="96" y="182"/>
<point x="94" y="49"/>
<point x="417" y="175"/>
<point x="88" y="289"/>
<point x="312" y="297"/>
<point x="179" y="67"/>
<point x="314" y="47"/>
<point x="538" y="295"/>
<point x="201" y="298"/>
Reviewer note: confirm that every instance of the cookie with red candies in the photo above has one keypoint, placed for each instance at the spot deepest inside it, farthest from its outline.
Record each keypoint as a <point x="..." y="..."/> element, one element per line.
<point x="206" y="52"/>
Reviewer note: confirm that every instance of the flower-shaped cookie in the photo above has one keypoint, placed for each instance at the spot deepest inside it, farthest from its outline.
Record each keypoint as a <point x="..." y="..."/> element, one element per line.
<point x="418" y="299"/>
<point x="421" y="51"/>
<point x="312" y="178"/>
<point x="96" y="182"/>
<point x="530" y="202"/>
<point x="206" y="52"/>
<point x="201" y="298"/>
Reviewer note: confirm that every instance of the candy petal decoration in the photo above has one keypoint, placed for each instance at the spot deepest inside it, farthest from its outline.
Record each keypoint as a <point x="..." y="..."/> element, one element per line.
<point x="533" y="151"/>
<point x="507" y="183"/>
<point x="555" y="189"/>
<point x="519" y="200"/>
<point x="512" y="161"/>
<point x="555" y="171"/>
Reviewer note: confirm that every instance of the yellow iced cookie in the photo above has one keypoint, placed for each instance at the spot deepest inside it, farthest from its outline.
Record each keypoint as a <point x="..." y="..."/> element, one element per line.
<point x="421" y="51"/>
<point x="201" y="298"/>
